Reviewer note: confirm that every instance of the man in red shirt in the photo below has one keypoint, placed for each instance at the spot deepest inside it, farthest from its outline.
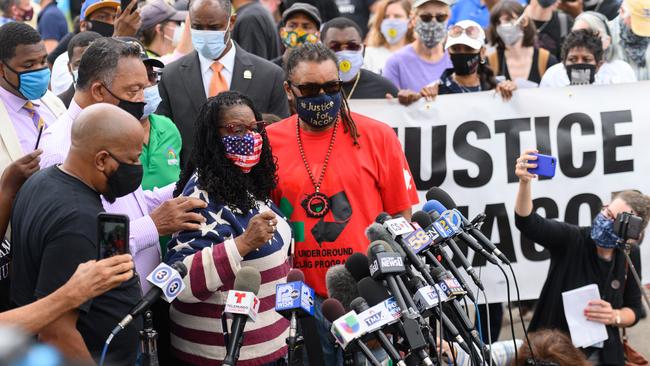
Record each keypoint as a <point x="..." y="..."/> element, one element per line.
<point x="337" y="170"/>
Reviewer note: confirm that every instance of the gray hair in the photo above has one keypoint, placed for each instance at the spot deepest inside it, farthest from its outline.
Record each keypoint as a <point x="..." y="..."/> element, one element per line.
<point x="224" y="4"/>
<point x="100" y="61"/>
<point x="598" y="23"/>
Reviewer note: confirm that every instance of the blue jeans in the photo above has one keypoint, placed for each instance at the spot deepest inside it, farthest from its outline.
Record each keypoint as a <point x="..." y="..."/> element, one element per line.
<point x="334" y="355"/>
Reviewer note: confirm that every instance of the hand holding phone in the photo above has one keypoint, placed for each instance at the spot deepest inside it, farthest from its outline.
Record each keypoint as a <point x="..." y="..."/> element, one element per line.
<point x="113" y="235"/>
<point x="545" y="166"/>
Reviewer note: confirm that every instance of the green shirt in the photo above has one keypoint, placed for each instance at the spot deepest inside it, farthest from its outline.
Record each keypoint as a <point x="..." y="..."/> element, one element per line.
<point x="160" y="157"/>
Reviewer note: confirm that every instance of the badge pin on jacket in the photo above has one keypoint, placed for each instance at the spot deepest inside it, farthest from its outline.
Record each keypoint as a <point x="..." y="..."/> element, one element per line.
<point x="248" y="74"/>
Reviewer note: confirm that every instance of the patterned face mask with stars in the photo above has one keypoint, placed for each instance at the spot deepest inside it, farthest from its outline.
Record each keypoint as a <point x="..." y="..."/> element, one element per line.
<point x="244" y="151"/>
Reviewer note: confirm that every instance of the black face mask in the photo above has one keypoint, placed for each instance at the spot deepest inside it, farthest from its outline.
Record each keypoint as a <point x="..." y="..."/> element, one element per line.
<point x="124" y="180"/>
<point x="104" y="29"/>
<point x="136" y="109"/>
<point x="581" y="74"/>
<point x="465" y="63"/>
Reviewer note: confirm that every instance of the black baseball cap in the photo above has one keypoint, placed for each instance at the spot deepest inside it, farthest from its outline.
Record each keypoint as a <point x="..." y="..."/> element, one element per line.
<point x="307" y="9"/>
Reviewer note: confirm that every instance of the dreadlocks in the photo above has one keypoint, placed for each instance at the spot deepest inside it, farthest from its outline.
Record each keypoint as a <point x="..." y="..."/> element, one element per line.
<point x="310" y="52"/>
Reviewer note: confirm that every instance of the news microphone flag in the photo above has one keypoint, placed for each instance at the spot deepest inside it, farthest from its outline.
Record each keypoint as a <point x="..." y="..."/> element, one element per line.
<point x="294" y="296"/>
<point x="243" y="303"/>
<point x="348" y="328"/>
<point x="168" y="280"/>
<point x="385" y="313"/>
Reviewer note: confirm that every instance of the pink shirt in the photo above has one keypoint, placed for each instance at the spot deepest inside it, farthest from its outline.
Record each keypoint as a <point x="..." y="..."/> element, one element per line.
<point x="143" y="240"/>
<point x="21" y="119"/>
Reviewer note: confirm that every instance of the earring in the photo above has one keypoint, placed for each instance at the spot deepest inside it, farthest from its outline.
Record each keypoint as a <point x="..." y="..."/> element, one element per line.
<point x="483" y="60"/>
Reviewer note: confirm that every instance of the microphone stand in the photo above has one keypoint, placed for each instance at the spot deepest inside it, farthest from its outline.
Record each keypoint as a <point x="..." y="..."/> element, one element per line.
<point x="294" y="342"/>
<point x="148" y="343"/>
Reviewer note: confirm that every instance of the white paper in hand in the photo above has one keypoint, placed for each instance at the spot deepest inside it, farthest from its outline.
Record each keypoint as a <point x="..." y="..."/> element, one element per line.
<point x="584" y="333"/>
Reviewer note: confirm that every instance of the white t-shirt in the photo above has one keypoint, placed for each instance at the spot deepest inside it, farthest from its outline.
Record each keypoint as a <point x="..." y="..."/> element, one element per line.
<point x="61" y="78"/>
<point x="614" y="72"/>
<point x="375" y="58"/>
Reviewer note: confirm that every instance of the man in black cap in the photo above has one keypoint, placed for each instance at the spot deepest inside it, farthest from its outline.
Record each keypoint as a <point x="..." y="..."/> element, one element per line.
<point x="300" y="23"/>
<point x="255" y="29"/>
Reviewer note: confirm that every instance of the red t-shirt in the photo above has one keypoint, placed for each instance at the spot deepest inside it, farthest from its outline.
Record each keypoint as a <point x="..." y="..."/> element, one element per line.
<point x="360" y="181"/>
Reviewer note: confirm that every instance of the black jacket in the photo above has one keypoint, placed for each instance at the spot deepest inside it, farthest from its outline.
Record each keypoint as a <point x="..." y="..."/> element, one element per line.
<point x="182" y="92"/>
<point x="575" y="263"/>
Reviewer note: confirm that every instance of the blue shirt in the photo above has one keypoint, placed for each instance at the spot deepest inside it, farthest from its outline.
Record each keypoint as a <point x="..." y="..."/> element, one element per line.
<point x="52" y="23"/>
<point x="472" y="10"/>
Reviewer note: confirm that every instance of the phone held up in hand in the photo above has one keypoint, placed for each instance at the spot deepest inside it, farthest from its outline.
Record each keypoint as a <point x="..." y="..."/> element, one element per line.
<point x="545" y="165"/>
<point x="113" y="235"/>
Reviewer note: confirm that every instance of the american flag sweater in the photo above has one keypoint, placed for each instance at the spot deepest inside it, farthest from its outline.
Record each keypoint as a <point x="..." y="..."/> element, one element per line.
<point x="212" y="260"/>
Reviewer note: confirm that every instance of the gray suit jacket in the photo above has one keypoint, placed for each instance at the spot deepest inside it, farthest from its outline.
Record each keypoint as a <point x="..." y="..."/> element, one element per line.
<point x="182" y="92"/>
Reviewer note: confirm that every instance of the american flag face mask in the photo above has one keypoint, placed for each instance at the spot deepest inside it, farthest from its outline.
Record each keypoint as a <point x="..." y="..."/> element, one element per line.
<point x="244" y="151"/>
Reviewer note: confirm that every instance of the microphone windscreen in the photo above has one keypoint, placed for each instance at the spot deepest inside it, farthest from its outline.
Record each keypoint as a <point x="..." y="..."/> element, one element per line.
<point x="332" y="309"/>
<point x="248" y="279"/>
<point x="180" y="268"/>
<point x="357" y="264"/>
<point x="375" y="247"/>
<point x="441" y="196"/>
<point x="433" y="206"/>
<point x="372" y="291"/>
<point x="422" y="218"/>
<point x="438" y="274"/>
<point x="376" y="232"/>
<point x="295" y="275"/>
<point x="359" y="305"/>
<point x="341" y="285"/>
<point x="382" y="217"/>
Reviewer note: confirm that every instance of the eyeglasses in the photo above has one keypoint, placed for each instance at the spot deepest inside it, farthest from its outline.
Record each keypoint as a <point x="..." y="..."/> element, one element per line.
<point x="313" y="89"/>
<point x="348" y="46"/>
<point x="472" y="31"/>
<point x="241" y="129"/>
<point x="440" y="17"/>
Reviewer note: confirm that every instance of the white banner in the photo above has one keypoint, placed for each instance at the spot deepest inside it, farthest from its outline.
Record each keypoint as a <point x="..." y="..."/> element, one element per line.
<point x="467" y="145"/>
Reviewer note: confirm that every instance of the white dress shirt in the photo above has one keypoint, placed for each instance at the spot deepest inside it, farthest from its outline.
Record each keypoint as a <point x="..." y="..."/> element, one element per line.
<point x="228" y="62"/>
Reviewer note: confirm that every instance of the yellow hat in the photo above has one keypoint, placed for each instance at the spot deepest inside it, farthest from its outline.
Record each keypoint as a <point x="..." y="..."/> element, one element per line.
<point x="640" y="16"/>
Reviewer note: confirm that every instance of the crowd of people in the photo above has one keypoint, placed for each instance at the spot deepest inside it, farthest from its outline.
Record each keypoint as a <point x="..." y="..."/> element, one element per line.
<point x="223" y="130"/>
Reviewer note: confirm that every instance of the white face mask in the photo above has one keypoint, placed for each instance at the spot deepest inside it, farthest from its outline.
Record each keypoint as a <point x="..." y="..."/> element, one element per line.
<point x="350" y="63"/>
<point x="178" y="34"/>
<point x="75" y="76"/>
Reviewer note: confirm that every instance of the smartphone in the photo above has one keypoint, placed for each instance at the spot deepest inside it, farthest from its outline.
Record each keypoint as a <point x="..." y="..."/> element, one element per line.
<point x="545" y="166"/>
<point x="125" y="3"/>
<point x="113" y="235"/>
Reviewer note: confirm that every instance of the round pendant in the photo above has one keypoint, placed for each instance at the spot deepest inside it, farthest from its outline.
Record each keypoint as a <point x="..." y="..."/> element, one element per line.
<point x="316" y="205"/>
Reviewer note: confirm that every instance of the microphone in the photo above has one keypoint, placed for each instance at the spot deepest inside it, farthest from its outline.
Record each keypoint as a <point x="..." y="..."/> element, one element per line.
<point x="448" y="229"/>
<point x="386" y="266"/>
<point x="357" y="264"/>
<point x="395" y="227"/>
<point x="436" y="193"/>
<point x="375" y="319"/>
<point x="242" y="303"/>
<point x="294" y="300"/>
<point x="376" y="232"/>
<point x="452" y="289"/>
<point x="341" y="284"/>
<point x="346" y="328"/>
<point x="167" y="281"/>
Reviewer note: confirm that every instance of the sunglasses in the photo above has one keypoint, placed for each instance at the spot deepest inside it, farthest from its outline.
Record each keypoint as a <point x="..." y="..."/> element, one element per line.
<point x="472" y="31"/>
<point x="241" y="129"/>
<point x="154" y="76"/>
<point x="440" y="17"/>
<point x="313" y="89"/>
<point x="348" y="46"/>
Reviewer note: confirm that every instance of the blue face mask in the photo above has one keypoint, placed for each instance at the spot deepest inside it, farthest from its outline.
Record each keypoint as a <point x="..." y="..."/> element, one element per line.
<point x="602" y="232"/>
<point x="32" y="84"/>
<point x="210" y="44"/>
<point x="319" y="111"/>
<point x="152" y="98"/>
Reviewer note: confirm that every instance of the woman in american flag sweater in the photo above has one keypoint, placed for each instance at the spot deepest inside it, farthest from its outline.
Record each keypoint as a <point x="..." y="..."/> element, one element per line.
<point x="233" y="171"/>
